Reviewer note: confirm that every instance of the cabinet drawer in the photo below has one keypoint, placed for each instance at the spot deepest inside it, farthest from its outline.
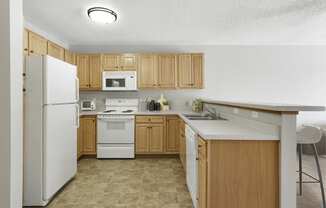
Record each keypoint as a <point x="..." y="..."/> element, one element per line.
<point x="150" y="119"/>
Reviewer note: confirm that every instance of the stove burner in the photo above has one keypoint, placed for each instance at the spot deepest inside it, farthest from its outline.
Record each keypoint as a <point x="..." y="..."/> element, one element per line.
<point x="127" y="111"/>
<point x="109" y="111"/>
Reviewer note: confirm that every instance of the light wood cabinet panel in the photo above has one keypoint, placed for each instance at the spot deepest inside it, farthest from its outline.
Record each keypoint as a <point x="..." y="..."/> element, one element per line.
<point x="202" y="174"/>
<point x="182" y="144"/>
<point x="95" y="72"/>
<point x="56" y="51"/>
<point x="147" y="71"/>
<point x="197" y="70"/>
<point x="167" y="71"/>
<point x="88" y="126"/>
<point x="128" y="62"/>
<point x="37" y="44"/>
<point x="172" y="135"/>
<point x="242" y="174"/>
<point x="150" y="119"/>
<point x="156" y="138"/>
<point x="110" y="62"/>
<point x="185" y="72"/>
<point x="79" y="143"/>
<point x="83" y="71"/>
<point x="70" y="57"/>
<point x="25" y="42"/>
<point x="142" y="138"/>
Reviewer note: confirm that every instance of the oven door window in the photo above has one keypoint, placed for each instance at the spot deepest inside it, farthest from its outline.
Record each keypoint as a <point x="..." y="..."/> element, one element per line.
<point x="115" y="82"/>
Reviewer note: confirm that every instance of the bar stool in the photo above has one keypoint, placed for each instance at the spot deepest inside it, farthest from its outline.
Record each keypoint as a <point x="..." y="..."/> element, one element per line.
<point x="310" y="135"/>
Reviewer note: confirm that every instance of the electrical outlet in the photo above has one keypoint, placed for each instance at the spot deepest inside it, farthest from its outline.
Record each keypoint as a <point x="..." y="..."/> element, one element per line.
<point x="254" y="114"/>
<point x="235" y="110"/>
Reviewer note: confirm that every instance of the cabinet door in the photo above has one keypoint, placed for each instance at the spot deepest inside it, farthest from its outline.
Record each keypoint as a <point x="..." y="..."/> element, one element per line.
<point x="197" y="68"/>
<point x="56" y="51"/>
<point x="147" y="71"/>
<point x="83" y="71"/>
<point x="110" y="62"/>
<point x="79" y="142"/>
<point x="128" y="62"/>
<point x="142" y="138"/>
<point x="70" y="57"/>
<point x="95" y="72"/>
<point x="167" y="71"/>
<point x="25" y="42"/>
<point x="88" y="126"/>
<point x="202" y="174"/>
<point x="182" y="144"/>
<point x="185" y="72"/>
<point x="156" y="138"/>
<point x="37" y="44"/>
<point x="172" y="135"/>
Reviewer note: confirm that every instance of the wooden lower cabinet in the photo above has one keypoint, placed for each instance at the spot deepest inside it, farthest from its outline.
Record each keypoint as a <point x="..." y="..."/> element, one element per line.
<point x="150" y="138"/>
<point x="243" y="174"/>
<point x="182" y="143"/>
<point x="172" y="134"/>
<point x="86" y="143"/>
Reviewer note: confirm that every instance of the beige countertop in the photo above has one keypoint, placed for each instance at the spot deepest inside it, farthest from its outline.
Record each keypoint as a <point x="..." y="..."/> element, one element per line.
<point x="210" y="129"/>
<point x="278" y="107"/>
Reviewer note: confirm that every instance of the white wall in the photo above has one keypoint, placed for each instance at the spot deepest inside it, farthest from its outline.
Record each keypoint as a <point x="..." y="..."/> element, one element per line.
<point x="265" y="73"/>
<point x="56" y="39"/>
<point x="11" y="21"/>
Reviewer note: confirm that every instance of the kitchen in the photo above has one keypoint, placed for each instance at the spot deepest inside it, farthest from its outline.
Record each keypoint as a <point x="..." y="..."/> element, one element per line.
<point x="167" y="118"/>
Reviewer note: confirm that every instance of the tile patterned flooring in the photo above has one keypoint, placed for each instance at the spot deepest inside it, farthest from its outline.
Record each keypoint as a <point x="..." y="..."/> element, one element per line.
<point x="139" y="183"/>
<point x="147" y="183"/>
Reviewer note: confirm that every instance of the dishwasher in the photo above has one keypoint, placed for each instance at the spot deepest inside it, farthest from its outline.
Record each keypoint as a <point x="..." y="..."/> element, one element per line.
<point x="191" y="161"/>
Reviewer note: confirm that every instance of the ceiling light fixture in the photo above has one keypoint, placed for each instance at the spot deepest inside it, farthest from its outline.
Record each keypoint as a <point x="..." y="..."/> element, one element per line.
<point x="102" y="15"/>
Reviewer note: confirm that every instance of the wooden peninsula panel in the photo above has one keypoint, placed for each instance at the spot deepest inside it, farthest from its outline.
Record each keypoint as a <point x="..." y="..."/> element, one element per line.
<point x="242" y="174"/>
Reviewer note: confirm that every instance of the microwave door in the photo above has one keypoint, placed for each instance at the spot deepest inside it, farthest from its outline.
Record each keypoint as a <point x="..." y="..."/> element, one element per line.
<point x="115" y="83"/>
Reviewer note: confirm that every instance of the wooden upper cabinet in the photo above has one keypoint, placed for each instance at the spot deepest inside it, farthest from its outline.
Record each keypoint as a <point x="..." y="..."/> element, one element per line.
<point x="95" y="72"/>
<point x="190" y="71"/>
<point x="156" y="140"/>
<point x="197" y="70"/>
<point x="83" y="71"/>
<point x="167" y="71"/>
<point x="56" y="51"/>
<point x="147" y="71"/>
<point x="172" y="135"/>
<point x="128" y="62"/>
<point x="110" y="62"/>
<point x="185" y="72"/>
<point x="70" y="57"/>
<point x="25" y="42"/>
<point x="37" y="44"/>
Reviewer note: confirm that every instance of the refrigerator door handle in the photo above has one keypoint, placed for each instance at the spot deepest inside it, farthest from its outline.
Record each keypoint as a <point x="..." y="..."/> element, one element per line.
<point x="77" y="89"/>
<point x="77" y="116"/>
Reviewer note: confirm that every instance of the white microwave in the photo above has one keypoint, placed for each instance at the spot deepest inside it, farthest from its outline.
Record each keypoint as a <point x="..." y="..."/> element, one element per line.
<point x="119" y="81"/>
<point x="88" y="105"/>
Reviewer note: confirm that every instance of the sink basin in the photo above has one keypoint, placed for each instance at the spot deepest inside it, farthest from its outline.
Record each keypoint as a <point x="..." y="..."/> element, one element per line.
<point x="200" y="117"/>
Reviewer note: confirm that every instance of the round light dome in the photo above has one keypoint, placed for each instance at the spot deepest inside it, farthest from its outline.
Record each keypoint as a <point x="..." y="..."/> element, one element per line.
<point x="102" y="15"/>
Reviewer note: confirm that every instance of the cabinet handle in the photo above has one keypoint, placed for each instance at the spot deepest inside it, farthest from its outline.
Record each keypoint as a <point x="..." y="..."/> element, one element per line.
<point x="25" y="49"/>
<point x="200" y="145"/>
<point x="197" y="158"/>
<point x="32" y="51"/>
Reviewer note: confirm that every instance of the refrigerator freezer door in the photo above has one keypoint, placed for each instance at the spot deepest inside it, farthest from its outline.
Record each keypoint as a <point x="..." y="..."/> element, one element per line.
<point x="60" y="147"/>
<point x="60" y="82"/>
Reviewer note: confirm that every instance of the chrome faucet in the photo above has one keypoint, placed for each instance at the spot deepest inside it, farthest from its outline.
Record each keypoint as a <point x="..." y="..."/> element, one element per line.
<point x="212" y="112"/>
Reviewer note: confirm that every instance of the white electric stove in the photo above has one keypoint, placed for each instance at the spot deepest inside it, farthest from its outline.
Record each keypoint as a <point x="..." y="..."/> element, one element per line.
<point x="116" y="128"/>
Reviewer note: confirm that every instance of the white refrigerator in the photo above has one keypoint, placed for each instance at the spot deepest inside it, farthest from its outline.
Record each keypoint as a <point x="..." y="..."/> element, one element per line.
<point x="51" y="120"/>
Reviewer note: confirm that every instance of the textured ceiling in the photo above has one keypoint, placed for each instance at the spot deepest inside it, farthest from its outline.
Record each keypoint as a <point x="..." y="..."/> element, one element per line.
<point x="184" y="21"/>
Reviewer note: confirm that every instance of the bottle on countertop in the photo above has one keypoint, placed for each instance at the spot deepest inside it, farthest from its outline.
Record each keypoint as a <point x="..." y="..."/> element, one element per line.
<point x="151" y="105"/>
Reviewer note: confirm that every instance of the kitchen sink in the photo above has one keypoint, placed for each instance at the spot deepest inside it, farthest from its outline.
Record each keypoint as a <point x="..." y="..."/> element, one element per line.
<point x="202" y="117"/>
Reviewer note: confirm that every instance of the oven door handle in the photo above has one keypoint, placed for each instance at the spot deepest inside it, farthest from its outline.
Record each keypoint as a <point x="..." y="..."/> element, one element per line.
<point x="116" y="119"/>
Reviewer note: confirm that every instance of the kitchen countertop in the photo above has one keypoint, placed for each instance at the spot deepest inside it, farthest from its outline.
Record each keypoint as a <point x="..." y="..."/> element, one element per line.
<point x="267" y="106"/>
<point x="210" y="129"/>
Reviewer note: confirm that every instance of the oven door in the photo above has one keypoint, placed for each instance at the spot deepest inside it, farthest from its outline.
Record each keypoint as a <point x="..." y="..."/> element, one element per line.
<point x="115" y="129"/>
